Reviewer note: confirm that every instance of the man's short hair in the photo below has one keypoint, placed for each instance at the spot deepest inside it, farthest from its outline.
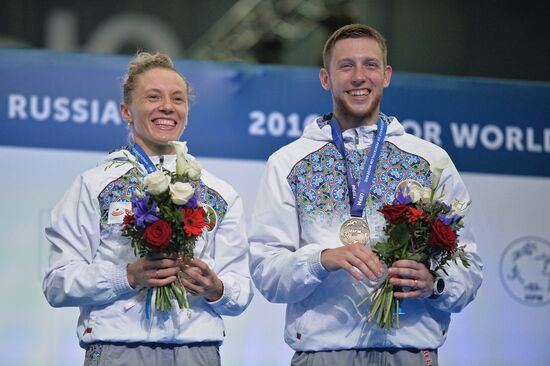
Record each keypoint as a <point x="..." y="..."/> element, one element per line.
<point x="354" y="31"/>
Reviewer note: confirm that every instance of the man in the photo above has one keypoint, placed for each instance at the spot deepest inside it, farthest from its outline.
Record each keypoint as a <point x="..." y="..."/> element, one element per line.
<point x="303" y="214"/>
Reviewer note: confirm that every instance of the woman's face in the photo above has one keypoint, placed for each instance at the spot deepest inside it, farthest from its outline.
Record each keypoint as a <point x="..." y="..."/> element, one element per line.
<point x="158" y="110"/>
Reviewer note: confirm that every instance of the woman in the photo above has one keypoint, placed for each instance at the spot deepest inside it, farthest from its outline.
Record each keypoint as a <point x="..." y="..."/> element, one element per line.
<point x="93" y="267"/>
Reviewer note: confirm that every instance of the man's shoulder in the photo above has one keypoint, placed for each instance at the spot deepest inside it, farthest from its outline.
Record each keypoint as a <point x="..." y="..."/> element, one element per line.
<point x="297" y="150"/>
<point x="417" y="146"/>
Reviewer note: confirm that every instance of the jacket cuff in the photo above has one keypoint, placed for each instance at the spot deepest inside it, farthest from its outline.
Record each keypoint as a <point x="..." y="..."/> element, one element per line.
<point x="224" y="299"/>
<point x="120" y="280"/>
<point x="315" y="267"/>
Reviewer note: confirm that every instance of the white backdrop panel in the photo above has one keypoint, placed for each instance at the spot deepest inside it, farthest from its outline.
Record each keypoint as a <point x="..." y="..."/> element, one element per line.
<point x="495" y="330"/>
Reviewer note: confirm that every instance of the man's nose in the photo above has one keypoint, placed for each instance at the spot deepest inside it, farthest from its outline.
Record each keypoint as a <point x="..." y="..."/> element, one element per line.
<point x="358" y="77"/>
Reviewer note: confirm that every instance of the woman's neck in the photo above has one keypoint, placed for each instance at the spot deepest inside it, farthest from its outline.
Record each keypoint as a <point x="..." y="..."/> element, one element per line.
<point x="156" y="149"/>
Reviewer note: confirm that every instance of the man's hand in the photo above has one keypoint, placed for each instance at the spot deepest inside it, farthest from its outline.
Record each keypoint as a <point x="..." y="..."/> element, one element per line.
<point x="414" y="275"/>
<point x="356" y="258"/>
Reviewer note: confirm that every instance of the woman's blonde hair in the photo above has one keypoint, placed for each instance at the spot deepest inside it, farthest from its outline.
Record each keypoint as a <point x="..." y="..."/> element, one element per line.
<point x="142" y="62"/>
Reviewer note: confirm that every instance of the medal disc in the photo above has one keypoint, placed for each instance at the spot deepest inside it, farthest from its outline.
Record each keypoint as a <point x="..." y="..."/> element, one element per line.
<point x="354" y="230"/>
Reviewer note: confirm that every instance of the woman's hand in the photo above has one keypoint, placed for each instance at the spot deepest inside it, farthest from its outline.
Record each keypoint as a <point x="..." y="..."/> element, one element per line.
<point x="199" y="279"/>
<point x="157" y="270"/>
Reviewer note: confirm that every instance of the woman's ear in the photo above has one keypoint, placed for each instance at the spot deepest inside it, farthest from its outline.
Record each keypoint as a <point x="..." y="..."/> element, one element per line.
<point x="126" y="115"/>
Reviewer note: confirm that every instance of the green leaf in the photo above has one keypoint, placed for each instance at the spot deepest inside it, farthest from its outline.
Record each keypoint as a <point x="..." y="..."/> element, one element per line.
<point x="400" y="234"/>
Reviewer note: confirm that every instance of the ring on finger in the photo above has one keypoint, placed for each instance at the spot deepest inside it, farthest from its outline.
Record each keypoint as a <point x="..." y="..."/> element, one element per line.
<point x="415" y="284"/>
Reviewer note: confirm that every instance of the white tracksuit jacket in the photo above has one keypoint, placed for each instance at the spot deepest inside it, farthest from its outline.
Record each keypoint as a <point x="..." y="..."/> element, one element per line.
<point x="88" y="259"/>
<point x="301" y="204"/>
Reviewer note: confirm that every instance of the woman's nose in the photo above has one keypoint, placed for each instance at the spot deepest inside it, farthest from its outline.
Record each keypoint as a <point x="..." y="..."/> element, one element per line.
<point x="166" y="106"/>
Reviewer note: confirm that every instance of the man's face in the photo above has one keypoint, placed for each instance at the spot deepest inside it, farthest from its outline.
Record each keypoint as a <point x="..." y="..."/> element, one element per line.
<point x="356" y="77"/>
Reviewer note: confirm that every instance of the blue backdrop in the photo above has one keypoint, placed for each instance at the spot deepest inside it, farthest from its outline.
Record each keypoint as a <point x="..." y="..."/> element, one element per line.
<point x="245" y="111"/>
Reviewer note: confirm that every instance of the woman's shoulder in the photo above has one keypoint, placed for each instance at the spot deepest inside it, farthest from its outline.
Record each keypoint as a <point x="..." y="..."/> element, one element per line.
<point x="110" y="168"/>
<point x="217" y="184"/>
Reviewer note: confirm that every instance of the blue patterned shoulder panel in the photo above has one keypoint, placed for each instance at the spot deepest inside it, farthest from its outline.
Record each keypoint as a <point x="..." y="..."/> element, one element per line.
<point x="121" y="189"/>
<point x="118" y="190"/>
<point x="212" y="198"/>
<point x="318" y="181"/>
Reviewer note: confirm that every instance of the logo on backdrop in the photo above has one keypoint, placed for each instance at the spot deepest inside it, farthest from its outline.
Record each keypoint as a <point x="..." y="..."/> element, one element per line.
<point x="525" y="270"/>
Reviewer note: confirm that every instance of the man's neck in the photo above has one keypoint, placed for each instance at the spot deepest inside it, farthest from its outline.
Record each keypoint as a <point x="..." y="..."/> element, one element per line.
<point x="348" y="122"/>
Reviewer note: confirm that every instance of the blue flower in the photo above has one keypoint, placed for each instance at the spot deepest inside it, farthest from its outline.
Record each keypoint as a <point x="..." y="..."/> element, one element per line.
<point x="142" y="214"/>
<point x="449" y="216"/>
<point x="403" y="196"/>
<point x="192" y="202"/>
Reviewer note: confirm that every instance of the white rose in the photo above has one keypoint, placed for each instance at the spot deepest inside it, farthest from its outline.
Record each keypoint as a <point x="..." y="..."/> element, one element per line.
<point x="416" y="191"/>
<point x="181" y="156"/>
<point x="194" y="170"/>
<point x="181" y="192"/>
<point x="156" y="182"/>
<point x="437" y="169"/>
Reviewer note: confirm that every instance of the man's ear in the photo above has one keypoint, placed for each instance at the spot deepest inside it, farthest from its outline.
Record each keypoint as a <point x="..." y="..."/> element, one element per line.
<point x="387" y="76"/>
<point x="324" y="78"/>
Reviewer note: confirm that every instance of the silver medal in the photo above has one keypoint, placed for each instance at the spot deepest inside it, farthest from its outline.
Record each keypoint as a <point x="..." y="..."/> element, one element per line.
<point x="354" y="230"/>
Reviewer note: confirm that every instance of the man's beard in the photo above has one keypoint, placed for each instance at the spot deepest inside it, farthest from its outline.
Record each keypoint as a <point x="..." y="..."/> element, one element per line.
<point x="357" y="118"/>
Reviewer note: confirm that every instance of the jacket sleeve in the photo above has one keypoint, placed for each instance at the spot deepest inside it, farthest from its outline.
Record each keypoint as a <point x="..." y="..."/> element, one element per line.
<point x="461" y="283"/>
<point x="231" y="258"/>
<point x="284" y="269"/>
<point x="73" y="278"/>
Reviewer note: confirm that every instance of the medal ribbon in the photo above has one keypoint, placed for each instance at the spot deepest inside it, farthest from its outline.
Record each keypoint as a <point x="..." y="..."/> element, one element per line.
<point x="358" y="192"/>
<point x="144" y="160"/>
<point x="142" y="157"/>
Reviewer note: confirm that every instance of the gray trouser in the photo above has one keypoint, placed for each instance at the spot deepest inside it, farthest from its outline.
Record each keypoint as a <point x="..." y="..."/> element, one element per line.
<point x="362" y="357"/>
<point x="152" y="355"/>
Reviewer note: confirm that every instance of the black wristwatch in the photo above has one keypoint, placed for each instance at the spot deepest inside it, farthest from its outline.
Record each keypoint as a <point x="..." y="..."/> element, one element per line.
<point x="438" y="288"/>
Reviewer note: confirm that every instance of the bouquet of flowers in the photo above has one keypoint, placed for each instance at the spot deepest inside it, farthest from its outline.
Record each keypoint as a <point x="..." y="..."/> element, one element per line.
<point x="166" y="218"/>
<point x="420" y="227"/>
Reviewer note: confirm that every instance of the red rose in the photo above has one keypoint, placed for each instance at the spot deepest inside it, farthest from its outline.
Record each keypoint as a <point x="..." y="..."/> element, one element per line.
<point x="443" y="236"/>
<point x="158" y="234"/>
<point x="193" y="221"/>
<point x="395" y="214"/>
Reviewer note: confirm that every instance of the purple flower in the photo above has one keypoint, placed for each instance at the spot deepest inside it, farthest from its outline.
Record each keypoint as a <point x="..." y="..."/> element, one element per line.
<point x="445" y="219"/>
<point x="192" y="202"/>
<point x="449" y="216"/>
<point x="142" y="214"/>
<point x="403" y="196"/>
